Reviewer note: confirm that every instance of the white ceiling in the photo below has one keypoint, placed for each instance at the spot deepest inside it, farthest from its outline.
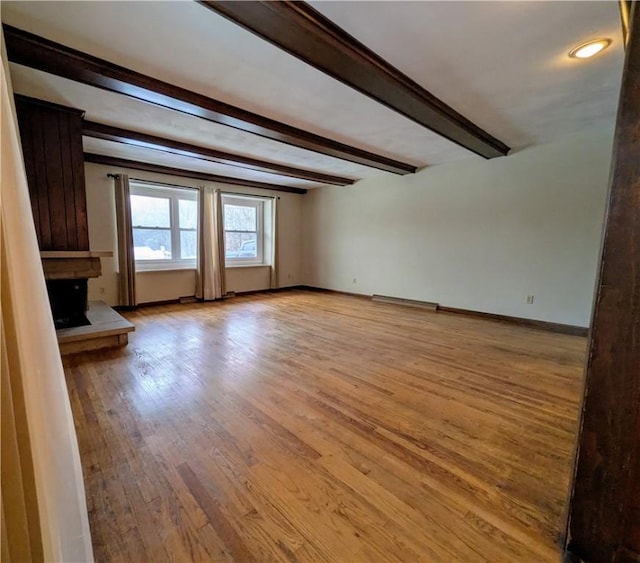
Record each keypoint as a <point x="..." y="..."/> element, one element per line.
<point x="504" y="65"/>
<point x="119" y="150"/>
<point x="115" y="109"/>
<point x="501" y="64"/>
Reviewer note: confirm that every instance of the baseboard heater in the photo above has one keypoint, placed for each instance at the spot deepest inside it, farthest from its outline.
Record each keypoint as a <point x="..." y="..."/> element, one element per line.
<point x="406" y="302"/>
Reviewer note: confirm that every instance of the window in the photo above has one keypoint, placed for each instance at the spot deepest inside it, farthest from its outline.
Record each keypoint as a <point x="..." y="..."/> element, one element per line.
<point x="165" y="226"/>
<point x="243" y="219"/>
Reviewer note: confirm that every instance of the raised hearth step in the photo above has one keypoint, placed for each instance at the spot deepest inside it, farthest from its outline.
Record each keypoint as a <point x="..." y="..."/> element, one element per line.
<point x="107" y="329"/>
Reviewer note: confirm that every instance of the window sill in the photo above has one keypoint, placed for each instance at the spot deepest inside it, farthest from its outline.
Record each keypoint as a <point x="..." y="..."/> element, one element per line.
<point x="233" y="266"/>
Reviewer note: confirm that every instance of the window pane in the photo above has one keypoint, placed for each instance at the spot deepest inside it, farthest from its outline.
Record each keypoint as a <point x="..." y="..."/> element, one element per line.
<point x="149" y="211"/>
<point x="240" y="245"/>
<point x="240" y="218"/>
<point x="188" y="244"/>
<point x="152" y="244"/>
<point x="188" y="213"/>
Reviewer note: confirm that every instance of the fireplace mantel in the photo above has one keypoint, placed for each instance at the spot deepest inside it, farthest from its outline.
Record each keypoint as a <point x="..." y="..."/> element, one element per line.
<point x="72" y="264"/>
<point x="76" y="254"/>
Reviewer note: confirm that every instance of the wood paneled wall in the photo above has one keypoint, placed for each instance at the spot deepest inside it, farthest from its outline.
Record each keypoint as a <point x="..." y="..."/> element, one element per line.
<point x="51" y="138"/>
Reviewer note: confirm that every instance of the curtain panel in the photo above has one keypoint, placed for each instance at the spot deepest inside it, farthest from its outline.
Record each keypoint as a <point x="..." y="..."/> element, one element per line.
<point x="210" y="279"/>
<point x="126" y="257"/>
<point x="273" y="284"/>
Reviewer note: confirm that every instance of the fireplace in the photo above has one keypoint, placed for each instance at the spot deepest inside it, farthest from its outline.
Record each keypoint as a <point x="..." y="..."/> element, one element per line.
<point x="81" y="325"/>
<point x="68" y="300"/>
<point x="67" y="274"/>
<point x="51" y="137"/>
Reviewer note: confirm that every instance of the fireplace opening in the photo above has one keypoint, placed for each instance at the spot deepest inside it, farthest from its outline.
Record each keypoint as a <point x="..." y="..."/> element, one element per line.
<point x="68" y="300"/>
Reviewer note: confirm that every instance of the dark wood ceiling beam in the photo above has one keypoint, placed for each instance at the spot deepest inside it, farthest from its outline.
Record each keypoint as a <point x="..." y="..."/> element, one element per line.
<point x="37" y="52"/>
<point x="143" y="140"/>
<point x="183" y="172"/>
<point x="305" y="33"/>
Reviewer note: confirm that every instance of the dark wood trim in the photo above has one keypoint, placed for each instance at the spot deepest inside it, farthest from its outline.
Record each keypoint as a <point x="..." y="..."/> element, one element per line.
<point x="168" y="170"/>
<point x="528" y="323"/>
<point x="520" y="321"/>
<point x="50" y="105"/>
<point x="37" y="52"/>
<point x="232" y="294"/>
<point x="336" y="292"/>
<point x="305" y="33"/>
<point x="604" y="523"/>
<point x="195" y="300"/>
<point x="146" y="141"/>
<point x="147" y="304"/>
<point x="391" y="300"/>
<point x="266" y="290"/>
<point x="154" y="303"/>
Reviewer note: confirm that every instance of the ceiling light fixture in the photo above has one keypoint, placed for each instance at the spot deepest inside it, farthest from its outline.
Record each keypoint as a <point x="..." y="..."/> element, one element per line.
<point x="589" y="49"/>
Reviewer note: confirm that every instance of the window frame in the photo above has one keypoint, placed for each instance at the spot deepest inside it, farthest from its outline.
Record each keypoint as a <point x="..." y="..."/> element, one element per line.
<point x="245" y="201"/>
<point x="174" y="194"/>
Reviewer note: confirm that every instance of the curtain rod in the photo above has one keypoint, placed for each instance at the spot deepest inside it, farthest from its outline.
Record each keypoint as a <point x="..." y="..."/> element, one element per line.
<point x="250" y="195"/>
<point x="153" y="182"/>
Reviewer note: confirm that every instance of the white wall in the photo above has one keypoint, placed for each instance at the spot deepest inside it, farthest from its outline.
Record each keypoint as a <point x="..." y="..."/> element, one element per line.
<point x="164" y="286"/>
<point x="474" y="234"/>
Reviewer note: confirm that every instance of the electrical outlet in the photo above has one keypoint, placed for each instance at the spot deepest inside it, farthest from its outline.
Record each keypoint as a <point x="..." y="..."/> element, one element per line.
<point x="355" y="280"/>
<point x="529" y="299"/>
<point x="288" y="276"/>
<point x="102" y="291"/>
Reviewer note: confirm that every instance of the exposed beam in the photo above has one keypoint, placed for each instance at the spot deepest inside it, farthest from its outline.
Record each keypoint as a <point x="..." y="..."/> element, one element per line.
<point x="305" y="33"/>
<point x="169" y="170"/>
<point x="143" y="140"/>
<point x="37" y="52"/>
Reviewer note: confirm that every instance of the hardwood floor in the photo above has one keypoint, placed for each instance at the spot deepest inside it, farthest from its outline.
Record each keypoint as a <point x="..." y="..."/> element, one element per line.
<point x="305" y="426"/>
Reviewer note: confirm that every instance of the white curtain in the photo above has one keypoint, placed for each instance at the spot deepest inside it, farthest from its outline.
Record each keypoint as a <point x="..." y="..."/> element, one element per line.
<point x="210" y="283"/>
<point x="274" y="244"/>
<point x="44" y="515"/>
<point x="126" y="258"/>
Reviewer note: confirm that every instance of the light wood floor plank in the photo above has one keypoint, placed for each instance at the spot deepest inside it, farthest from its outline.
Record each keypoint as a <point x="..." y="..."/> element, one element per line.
<point x="304" y="426"/>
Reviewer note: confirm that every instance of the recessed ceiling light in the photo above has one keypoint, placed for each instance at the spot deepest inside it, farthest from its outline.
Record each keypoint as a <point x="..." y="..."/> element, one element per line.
<point x="589" y="49"/>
